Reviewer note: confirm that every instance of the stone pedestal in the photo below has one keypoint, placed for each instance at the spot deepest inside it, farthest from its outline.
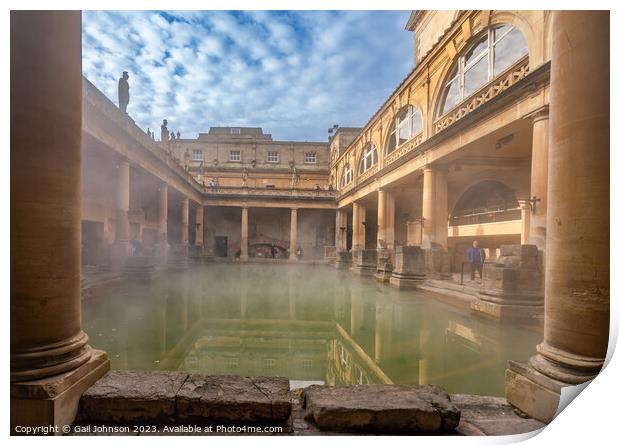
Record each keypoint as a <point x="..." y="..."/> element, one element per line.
<point x="243" y="257"/>
<point x="409" y="267"/>
<point x="162" y="250"/>
<point x="178" y="257"/>
<point x="344" y="260"/>
<point x="364" y="262"/>
<point x="140" y="268"/>
<point x="384" y="265"/>
<point x="119" y="252"/>
<point x="512" y="286"/>
<point x="437" y="263"/>
<point x="330" y="254"/>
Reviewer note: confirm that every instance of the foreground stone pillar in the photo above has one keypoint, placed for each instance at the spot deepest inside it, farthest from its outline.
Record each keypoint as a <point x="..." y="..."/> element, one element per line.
<point x="293" y="236"/>
<point x="539" y="174"/>
<point x="435" y="222"/>
<point x="121" y="248"/>
<point x="51" y="362"/>
<point x="526" y="213"/>
<point x="576" y="326"/>
<point x="244" y="234"/>
<point x="385" y="234"/>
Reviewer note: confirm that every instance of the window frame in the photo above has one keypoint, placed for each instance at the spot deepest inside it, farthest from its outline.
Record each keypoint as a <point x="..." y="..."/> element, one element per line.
<point x="411" y="112"/>
<point x="197" y="152"/>
<point x="314" y="158"/>
<point x="347" y="176"/>
<point x="461" y="67"/>
<point x="368" y="152"/>
<point x="236" y="158"/>
<point x="272" y="161"/>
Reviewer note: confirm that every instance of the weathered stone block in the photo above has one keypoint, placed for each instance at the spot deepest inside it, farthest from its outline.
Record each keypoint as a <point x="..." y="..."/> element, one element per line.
<point x="364" y="262"/>
<point x="129" y="397"/>
<point x="437" y="263"/>
<point x="344" y="260"/>
<point x="380" y="408"/>
<point x="409" y="267"/>
<point x="234" y="398"/>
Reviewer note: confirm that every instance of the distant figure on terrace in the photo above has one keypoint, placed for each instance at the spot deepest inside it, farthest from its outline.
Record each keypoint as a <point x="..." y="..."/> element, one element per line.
<point x="123" y="92"/>
<point x="299" y="252"/>
<point x="273" y="251"/>
<point x="476" y="257"/>
<point x="213" y="185"/>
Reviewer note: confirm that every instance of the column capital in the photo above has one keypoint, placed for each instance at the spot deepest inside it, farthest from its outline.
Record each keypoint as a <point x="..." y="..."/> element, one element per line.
<point x="539" y="114"/>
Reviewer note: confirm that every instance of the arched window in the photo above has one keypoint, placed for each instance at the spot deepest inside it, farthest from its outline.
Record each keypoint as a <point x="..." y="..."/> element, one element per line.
<point x="485" y="202"/>
<point x="347" y="176"/>
<point x="407" y="124"/>
<point x="499" y="48"/>
<point x="369" y="158"/>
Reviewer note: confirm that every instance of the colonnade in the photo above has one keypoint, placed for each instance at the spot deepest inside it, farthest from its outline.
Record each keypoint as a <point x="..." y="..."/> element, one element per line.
<point x="245" y="239"/>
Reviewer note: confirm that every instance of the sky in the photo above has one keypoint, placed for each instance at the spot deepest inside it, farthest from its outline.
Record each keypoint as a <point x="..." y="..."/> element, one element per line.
<point x="293" y="73"/>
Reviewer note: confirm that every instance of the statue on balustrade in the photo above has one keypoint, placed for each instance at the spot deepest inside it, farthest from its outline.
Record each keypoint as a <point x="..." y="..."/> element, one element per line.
<point x="123" y="92"/>
<point x="165" y="135"/>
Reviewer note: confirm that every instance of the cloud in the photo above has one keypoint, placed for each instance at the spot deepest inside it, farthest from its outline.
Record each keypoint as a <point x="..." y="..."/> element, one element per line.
<point x="294" y="73"/>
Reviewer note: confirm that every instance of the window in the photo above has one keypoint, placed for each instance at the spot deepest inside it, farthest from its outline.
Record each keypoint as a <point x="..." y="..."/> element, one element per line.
<point x="235" y="131"/>
<point x="273" y="157"/>
<point x="235" y="155"/>
<point x="310" y="158"/>
<point x="369" y="158"/>
<point x="347" y="176"/>
<point x="407" y="124"/>
<point x="499" y="48"/>
<point x="232" y="363"/>
<point x="197" y="155"/>
<point x="270" y="363"/>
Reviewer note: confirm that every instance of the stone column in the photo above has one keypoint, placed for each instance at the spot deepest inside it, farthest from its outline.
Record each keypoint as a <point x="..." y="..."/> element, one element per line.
<point x="435" y="207"/>
<point x="435" y="221"/>
<point x="341" y="230"/>
<point x="163" y="213"/>
<point x="244" y="234"/>
<point x="293" y="238"/>
<point x="576" y="324"/>
<point x="51" y="362"/>
<point x="359" y="228"/>
<point x="526" y="213"/>
<point x="199" y="226"/>
<point x="121" y="248"/>
<point x="185" y="220"/>
<point x="539" y="173"/>
<point x="385" y="234"/>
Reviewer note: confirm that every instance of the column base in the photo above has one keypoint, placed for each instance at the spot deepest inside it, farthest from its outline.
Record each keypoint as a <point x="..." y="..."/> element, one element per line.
<point x="406" y="281"/>
<point x="54" y="401"/>
<point x="383" y="276"/>
<point x="343" y="260"/>
<point x="161" y="254"/>
<point x="119" y="251"/>
<point x="532" y="392"/>
<point x="506" y="310"/>
<point x="364" y="262"/>
<point x="243" y="258"/>
<point x="140" y="268"/>
<point x="178" y="258"/>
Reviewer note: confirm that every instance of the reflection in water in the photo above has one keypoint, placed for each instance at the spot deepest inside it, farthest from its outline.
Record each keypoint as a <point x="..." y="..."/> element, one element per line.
<point x="308" y="323"/>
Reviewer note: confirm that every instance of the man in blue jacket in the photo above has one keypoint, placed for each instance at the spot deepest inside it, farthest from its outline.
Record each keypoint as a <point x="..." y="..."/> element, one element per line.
<point x="476" y="257"/>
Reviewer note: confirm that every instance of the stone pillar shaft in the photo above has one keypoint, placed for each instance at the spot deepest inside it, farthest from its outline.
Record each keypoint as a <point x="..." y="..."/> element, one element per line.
<point x="122" y="202"/>
<point x="244" y="234"/>
<point x="293" y="237"/>
<point x="385" y="219"/>
<point x="341" y="230"/>
<point x="435" y="207"/>
<point x="539" y="174"/>
<point x="359" y="227"/>
<point x="163" y="213"/>
<point x="185" y="220"/>
<point x="199" y="225"/>
<point x="526" y="214"/>
<point x="576" y="324"/>
<point x="51" y="363"/>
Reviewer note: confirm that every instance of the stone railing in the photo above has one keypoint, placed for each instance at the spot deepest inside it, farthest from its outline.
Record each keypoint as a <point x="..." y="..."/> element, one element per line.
<point x="94" y="98"/>
<point x="368" y="173"/>
<point x="403" y="149"/>
<point x="227" y="191"/>
<point x="496" y="86"/>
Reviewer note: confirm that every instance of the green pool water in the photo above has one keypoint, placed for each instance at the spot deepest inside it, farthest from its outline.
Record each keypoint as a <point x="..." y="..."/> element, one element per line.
<point x="307" y="323"/>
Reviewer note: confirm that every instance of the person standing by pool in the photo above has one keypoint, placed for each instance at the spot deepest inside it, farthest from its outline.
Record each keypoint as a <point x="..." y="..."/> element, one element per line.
<point x="476" y="257"/>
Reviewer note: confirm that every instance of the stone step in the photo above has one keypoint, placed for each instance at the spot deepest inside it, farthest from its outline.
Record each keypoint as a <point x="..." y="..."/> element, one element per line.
<point x="380" y="409"/>
<point x="161" y="398"/>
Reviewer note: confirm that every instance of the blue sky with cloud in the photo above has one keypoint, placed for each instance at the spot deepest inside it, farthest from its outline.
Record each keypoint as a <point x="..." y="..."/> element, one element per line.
<point x="294" y="73"/>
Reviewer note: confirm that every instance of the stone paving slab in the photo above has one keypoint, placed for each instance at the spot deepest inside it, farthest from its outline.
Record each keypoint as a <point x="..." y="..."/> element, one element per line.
<point x="234" y="398"/>
<point x="132" y="397"/>
<point x="380" y="408"/>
